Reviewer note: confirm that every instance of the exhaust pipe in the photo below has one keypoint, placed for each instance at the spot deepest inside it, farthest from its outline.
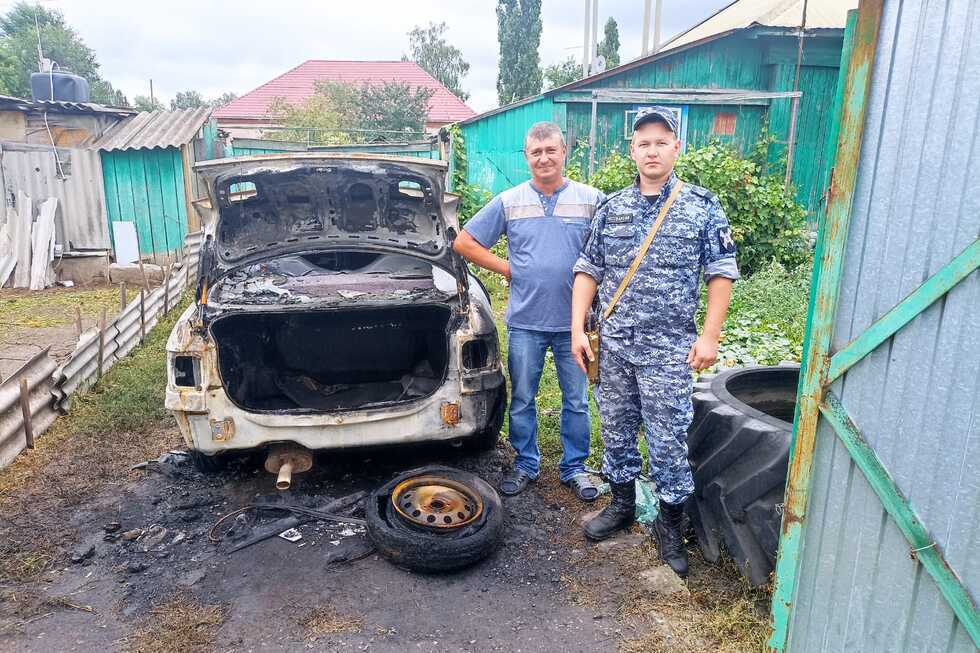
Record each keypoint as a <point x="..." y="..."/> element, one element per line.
<point x="286" y="461"/>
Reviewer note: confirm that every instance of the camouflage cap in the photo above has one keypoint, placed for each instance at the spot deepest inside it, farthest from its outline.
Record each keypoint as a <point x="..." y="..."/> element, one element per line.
<point x="656" y="114"/>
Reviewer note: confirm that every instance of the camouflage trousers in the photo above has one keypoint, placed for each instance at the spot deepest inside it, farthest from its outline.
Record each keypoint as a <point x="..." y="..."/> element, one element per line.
<point x="659" y="398"/>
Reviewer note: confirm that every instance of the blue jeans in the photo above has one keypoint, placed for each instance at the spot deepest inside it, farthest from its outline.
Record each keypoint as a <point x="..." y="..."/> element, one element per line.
<point x="525" y="362"/>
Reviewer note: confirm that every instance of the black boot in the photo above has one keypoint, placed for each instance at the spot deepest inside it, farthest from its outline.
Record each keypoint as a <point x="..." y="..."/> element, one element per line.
<point x="670" y="540"/>
<point x="619" y="514"/>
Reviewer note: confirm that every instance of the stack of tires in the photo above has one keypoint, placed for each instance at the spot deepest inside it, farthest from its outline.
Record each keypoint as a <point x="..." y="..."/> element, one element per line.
<point x="739" y="446"/>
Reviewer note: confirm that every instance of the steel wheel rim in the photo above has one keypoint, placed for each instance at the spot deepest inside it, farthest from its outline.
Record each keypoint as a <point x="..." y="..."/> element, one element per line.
<point x="436" y="503"/>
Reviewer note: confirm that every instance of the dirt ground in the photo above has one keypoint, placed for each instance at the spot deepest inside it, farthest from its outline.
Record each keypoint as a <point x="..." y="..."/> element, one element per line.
<point x="71" y="579"/>
<point x="545" y="589"/>
<point x="32" y="320"/>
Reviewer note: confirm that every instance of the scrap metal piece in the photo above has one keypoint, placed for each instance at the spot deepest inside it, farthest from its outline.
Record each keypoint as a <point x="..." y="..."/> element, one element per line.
<point x="291" y="535"/>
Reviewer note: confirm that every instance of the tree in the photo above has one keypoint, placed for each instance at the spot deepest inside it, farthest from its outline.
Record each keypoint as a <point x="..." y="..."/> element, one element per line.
<point x="393" y="106"/>
<point x="103" y="92"/>
<point x="60" y="44"/>
<point x="223" y="99"/>
<point x="315" y="121"/>
<point x="344" y="113"/>
<point x="609" y="45"/>
<point x="187" y="100"/>
<point x="146" y="103"/>
<point x="519" y="35"/>
<point x="562" y="73"/>
<point x="438" y="58"/>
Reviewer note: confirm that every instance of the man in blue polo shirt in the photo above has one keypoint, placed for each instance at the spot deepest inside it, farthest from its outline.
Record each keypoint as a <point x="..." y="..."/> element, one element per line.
<point x="546" y="221"/>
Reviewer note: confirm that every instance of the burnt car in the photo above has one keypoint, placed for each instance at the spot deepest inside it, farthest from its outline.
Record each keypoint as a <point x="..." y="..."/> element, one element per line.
<point x="331" y="312"/>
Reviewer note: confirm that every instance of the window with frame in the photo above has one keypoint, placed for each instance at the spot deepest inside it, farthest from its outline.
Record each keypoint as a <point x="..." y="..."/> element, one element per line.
<point x="630" y="115"/>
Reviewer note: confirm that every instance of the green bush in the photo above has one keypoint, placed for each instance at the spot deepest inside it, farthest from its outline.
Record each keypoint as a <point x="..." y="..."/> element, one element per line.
<point x="472" y="198"/>
<point x="767" y="317"/>
<point x="767" y="223"/>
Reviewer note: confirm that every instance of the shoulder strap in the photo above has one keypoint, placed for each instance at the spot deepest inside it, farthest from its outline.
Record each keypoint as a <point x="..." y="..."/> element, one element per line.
<point x="634" y="266"/>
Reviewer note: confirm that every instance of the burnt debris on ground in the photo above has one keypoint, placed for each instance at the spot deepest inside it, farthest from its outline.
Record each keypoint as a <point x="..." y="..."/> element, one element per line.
<point x="138" y="555"/>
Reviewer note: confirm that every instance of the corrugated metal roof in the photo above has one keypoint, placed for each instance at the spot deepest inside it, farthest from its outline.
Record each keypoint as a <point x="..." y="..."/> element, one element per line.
<point x="820" y="14"/>
<point x="21" y="104"/>
<point x="298" y="84"/>
<point x="916" y="398"/>
<point x="151" y="129"/>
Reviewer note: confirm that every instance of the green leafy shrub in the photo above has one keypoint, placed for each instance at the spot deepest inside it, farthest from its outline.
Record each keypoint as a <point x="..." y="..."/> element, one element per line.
<point x="766" y="319"/>
<point x="767" y="223"/>
<point x="472" y="198"/>
<point x="617" y="172"/>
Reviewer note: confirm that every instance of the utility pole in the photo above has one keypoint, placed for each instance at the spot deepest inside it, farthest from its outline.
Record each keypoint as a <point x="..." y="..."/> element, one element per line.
<point x="595" y="34"/>
<point x="646" y="28"/>
<point x="151" y="93"/>
<point x="586" y="59"/>
<point x="656" y="26"/>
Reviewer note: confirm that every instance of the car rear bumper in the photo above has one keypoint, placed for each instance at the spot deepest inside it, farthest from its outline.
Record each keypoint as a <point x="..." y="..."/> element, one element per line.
<point x="448" y="414"/>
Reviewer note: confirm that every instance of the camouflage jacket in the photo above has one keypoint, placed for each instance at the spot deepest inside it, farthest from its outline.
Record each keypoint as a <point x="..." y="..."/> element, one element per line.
<point x="654" y="319"/>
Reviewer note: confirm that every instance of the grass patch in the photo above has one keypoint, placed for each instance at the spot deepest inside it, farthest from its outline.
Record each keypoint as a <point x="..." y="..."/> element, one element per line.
<point x="325" y="620"/>
<point x="767" y="317"/>
<point x="722" y="614"/>
<point x="181" y="625"/>
<point x="113" y="425"/>
<point x="55" y="307"/>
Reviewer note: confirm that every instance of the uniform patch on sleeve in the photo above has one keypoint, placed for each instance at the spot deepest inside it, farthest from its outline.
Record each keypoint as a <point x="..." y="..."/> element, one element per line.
<point x="619" y="218"/>
<point x="725" y="240"/>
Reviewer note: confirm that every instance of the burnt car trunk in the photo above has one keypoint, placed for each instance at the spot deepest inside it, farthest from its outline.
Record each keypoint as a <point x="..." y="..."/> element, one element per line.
<point x="331" y="360"/>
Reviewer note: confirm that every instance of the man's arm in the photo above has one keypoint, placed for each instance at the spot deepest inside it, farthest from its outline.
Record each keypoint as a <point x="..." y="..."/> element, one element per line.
<point x="588" y="270"/>
<point x="583" y="292"/>
<point x="720" y="272"/>
<point x="704" y="352"/>
<point x="469" y="248"/>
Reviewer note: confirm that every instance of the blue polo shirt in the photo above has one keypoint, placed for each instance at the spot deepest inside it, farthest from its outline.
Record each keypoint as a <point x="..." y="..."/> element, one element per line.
<point x="545" y="235"/>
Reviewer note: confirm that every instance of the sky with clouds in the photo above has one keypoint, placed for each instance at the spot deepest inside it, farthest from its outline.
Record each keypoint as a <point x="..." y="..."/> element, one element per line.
<point x="215" y="47"/>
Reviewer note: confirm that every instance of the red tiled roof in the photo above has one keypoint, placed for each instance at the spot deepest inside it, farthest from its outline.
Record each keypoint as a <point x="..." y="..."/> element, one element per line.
<point x="297" y="85"/>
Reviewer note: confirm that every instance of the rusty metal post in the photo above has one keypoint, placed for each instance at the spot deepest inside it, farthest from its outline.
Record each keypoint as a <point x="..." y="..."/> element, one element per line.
<point x="142" y="316"/>
<point x="98" y="374"/>
<point x="78" y="323"/>
<point x="25" y="408"/>
<point x="824" y="291"/>
<point x="122" y="296"/>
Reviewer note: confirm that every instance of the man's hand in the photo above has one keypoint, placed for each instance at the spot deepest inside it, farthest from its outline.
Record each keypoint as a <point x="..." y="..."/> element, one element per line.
<point x="581" y="350"/>
<point x="703" y="354"/>
<point x="506" y="270"/>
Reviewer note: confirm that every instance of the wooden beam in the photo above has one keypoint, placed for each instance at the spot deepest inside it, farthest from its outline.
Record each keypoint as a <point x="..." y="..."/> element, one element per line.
<point x="193" y="222"/>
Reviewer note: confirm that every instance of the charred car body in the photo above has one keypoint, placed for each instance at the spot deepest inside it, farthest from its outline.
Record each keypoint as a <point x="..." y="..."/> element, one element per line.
<point x="331" y="312"/>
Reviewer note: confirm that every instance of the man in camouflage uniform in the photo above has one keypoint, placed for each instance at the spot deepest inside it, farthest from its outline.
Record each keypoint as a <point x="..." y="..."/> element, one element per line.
<point x="649" y="344"/>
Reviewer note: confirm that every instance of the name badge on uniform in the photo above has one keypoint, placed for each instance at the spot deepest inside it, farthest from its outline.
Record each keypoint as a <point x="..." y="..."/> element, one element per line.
<point x="619" y="218"/>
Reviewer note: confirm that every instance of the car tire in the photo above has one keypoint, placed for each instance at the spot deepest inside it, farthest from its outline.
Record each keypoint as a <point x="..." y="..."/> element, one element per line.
<point x="423" y="550"/>
<point x="208" y="464"/>
<point x="487" y="438"/>
<point x="738" y="445"/>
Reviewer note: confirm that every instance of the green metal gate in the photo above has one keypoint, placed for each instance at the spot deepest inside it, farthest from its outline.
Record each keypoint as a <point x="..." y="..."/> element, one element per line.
<point x="817" y="404"/>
